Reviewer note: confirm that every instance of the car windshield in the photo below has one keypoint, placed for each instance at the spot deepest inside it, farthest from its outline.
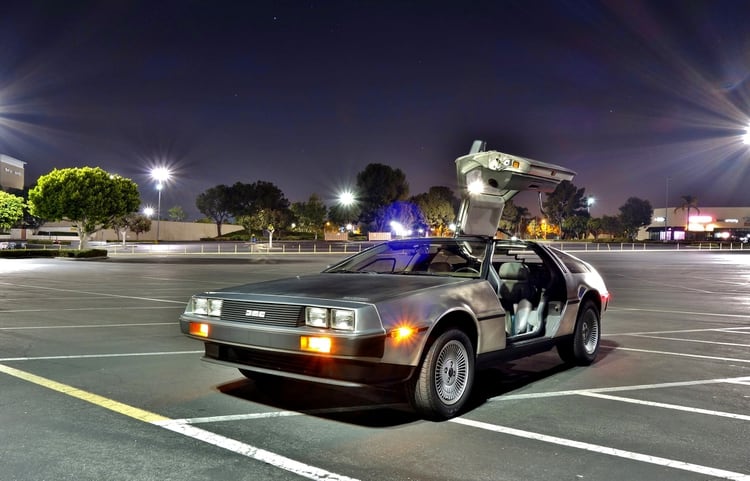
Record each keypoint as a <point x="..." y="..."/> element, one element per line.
<point x="430" y="256"/>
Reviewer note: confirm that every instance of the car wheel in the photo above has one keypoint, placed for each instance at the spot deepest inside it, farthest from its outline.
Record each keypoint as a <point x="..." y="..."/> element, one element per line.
<point x="584" y="345"/>
<point x="443" y="382"/>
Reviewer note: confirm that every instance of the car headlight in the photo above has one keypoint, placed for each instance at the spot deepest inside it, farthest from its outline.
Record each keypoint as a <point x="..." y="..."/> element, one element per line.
<point x="342" y="319"/>
<point x="316" y="316"/>
<point x="207" y="307"/>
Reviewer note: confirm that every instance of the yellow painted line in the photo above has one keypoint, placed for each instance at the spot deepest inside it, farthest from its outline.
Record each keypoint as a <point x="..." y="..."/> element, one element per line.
<point x="180" y="427"/>
<point x="112" y="405"/>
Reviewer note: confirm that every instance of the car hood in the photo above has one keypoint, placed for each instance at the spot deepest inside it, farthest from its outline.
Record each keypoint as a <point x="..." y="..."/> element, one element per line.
<point x="359" y="287"/>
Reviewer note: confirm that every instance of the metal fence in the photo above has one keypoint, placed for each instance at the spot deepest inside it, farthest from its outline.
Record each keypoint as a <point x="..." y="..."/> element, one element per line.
<point x="346" y="248"/>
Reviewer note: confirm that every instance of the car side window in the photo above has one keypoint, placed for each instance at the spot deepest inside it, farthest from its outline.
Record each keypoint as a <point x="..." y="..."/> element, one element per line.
<point x="574" y="265"/>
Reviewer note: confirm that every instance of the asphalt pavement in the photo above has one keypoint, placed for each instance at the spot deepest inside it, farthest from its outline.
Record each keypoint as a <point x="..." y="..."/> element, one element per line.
<point x="97" y="383"/>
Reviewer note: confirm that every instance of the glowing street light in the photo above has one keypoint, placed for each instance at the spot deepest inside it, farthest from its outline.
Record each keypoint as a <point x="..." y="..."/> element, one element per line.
<point x="589" y="202"/>
<point x="746" y="137"/>
<point x="161" y="175"/>
<point x="148" y="212"/>
<point x="347" y="198"/>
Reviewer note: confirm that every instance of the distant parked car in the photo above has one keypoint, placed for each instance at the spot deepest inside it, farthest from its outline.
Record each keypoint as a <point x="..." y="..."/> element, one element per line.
<point x="421" y="313"/>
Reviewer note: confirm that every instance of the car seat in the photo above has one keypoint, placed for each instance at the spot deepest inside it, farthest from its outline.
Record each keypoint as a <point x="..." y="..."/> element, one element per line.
<point x="517" y="294"/>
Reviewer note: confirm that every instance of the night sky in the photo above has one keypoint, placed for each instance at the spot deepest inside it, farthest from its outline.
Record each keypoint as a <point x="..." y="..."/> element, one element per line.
<point x="305" y="94"/>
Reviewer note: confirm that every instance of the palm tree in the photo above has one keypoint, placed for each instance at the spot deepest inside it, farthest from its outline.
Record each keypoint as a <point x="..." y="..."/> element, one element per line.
<point x="688" y="203"/>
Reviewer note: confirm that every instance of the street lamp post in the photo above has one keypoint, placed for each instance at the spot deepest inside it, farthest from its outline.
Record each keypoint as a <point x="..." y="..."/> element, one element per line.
<point x="347" y="200"/>
<point x="160" y="175"/>
<point x="159" y="187"/>
<point x="666" y="211"/>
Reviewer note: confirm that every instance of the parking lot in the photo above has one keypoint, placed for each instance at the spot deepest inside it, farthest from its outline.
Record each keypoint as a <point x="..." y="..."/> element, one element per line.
<point x="97" y="383"/>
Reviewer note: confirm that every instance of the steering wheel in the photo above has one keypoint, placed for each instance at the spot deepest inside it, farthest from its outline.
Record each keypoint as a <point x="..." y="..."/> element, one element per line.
<point x="467" y="269"/>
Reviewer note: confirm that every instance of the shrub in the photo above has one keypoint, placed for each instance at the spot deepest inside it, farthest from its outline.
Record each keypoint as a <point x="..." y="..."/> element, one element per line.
<point x="86" y="254"/>
<point x="36" y="253"/>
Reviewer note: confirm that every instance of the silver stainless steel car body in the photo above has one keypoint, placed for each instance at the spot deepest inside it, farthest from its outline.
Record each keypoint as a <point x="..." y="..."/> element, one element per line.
<point x="422" y="313"/>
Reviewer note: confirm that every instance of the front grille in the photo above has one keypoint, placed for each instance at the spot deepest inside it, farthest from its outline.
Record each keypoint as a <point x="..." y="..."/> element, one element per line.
<point x="262" y="313"/>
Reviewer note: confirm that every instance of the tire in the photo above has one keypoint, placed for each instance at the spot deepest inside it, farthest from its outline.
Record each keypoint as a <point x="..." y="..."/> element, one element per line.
<point x="583" y="347"/>
<point x="445" y="377"/>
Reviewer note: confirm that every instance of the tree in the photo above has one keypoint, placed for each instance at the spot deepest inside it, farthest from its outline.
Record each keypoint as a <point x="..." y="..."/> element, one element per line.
<point x="263" y="220"/>
<point x="405" y="213"/>
<point x="340" y="214"/>
<point x="28" y="221"/>
<point x="215" y="203"/>
<point x="542" y="229"/>
<point x="120" y="225"/>
<point x="311" y="215"/>
<point x="89" y="197"/>
<point x="249" y="199"/>
<point x="575" y="225"/>
<point x="176" y="214"/>
<point x="377" y="187"/>
<point x="139" y="223"/>
<point x="634" y="214"/>
<point x="437" y="206"/>
<point x="514" y="218"/>
<point x="134" y="221"/>
<point x="594" y="227"/>
<point x="565" y="201"/>
<point x="260" y="204"/>
<point x="11" y="210"/>
<point x="688" y="203"/>
<point x="612" y="225"/>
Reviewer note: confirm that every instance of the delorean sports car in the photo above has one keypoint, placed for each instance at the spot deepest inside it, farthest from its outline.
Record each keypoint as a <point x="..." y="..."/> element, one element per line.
<point x="423" y="314"/>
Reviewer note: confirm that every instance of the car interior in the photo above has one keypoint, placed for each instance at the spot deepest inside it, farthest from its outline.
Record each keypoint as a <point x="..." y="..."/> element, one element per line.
<point x="522" y="282"/>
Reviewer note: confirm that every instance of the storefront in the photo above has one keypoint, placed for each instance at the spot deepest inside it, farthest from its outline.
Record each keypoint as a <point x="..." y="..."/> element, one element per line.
<point x="729" y="224"/>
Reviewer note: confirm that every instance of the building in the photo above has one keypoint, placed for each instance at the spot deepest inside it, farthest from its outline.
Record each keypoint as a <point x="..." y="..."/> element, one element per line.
<point x="11" y="173"/>
<point x="705" y="223"/>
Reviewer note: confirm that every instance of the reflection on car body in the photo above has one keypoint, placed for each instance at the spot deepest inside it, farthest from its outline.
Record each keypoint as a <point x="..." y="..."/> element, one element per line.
<point x="420" y="313"/>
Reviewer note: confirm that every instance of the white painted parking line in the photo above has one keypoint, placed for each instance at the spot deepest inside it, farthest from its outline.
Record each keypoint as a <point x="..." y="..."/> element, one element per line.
<point x="702" y="314"/>
<point x="229" y="444"/>
<point x="632" y="387"/>
<point x="745" y="330"/>
<point x="223" y="442"/>
<point x="95" y="356"/>
<point x="101" y="294"/>
<point x="116" y="308"/>
<point x="237" y="417"/>
<point x="679" y="354"/>
<point x="644" y="458"/>
<point x="280" y="414"/>
<point x="674" y="407"/>
<point x="701" y="341"/>
<point x="744" y="383"/>
<point x="679" y="331"/>
<point x="86" y="326"/>
<point x="185" y="428"/>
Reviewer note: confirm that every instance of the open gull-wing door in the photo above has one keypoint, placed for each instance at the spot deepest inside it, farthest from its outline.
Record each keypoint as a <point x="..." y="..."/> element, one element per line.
<point x="488" y="179"/>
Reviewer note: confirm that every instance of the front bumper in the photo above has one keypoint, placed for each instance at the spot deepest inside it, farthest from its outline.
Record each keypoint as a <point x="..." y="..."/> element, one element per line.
<point x="310" y="367"/>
